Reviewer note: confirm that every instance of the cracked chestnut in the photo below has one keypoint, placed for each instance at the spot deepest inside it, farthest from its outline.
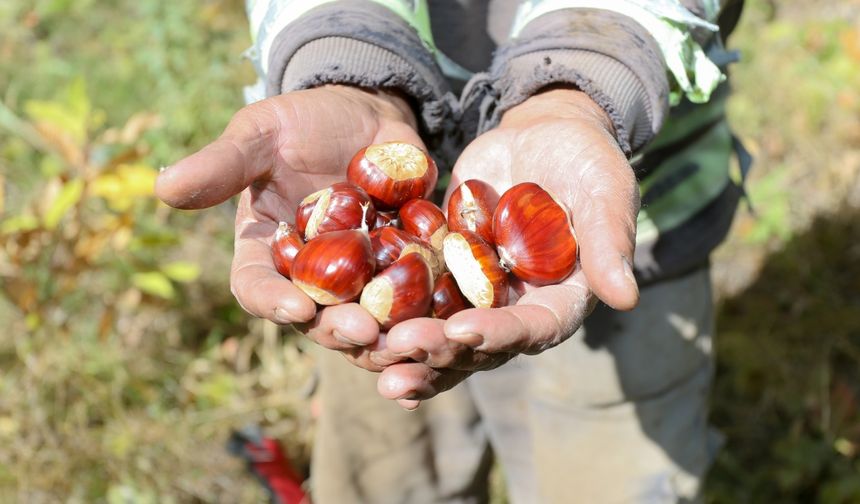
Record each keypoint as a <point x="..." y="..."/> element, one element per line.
<point x="285" y="246"/>
<point x="471" y="207"/>
<point x="334" y="208"/>
<point x="475" y="267"/>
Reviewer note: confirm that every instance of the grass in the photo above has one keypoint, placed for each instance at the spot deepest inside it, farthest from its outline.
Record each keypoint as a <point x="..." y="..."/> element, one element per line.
<point x="126" y="362"/>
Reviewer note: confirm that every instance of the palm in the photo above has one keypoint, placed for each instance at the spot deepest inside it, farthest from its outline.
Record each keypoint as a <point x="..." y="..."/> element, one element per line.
<point x="275" y="153"/>
<point x="318" y="133"/>
<point x="566" y="147"/>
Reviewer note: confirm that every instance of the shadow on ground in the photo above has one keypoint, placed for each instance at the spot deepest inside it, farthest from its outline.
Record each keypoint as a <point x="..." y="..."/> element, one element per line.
<point x="788" y="377"/>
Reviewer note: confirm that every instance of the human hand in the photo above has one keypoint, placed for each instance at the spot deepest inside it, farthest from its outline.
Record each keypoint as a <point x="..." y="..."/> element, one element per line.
<point x="563" y="141"/>
<point x="276" y="152"/>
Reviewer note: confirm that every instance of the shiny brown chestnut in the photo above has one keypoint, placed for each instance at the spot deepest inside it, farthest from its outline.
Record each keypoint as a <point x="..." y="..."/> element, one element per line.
<point x="334" y="208"/>
<point x="447" y="298"/>
<point x="471" y="207"/>
<point x="402" y="291"/>
<point x="393" y="173"/>
<point x="334" y="267"/>
<point x="425" y="220"/>
<point x="476" y="269"/>
<point x="285" y="246"/>
<point x="534" y="236"/>
<point x="387" y="243"/>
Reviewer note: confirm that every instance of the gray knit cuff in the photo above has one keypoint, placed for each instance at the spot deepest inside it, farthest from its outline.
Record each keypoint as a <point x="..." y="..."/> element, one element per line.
<point x="364" y="44"/>
<point x="607" y="55"/>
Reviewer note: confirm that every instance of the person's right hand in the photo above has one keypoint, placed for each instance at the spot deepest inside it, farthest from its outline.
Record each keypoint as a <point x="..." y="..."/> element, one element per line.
<point x="276" y="152"/>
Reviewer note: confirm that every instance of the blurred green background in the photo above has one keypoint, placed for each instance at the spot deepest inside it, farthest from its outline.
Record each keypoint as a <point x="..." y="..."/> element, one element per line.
<point x="125" y="361"/>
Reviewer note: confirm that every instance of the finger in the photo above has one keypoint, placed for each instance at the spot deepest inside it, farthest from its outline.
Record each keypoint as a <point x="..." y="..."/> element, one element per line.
<point x="346" y="326"/>
<point x="409" y="404"/>
<point x="541" y="319"/>
<point x="255" y="283"/>
<point x="245" y="152"/>
<point x="416" y="381"/>
<point x="423" y="340"/>
<point x="604" y="217"/>
<point x="360" y="357"/>
<point x="381" y="355"/>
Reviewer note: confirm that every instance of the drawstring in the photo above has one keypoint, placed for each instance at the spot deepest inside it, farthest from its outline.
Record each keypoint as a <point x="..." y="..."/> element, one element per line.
<point x="481" y="97"/>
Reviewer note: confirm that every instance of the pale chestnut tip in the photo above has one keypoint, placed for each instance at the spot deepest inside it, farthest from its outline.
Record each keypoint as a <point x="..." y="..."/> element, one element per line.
<point x="393" y="173"/>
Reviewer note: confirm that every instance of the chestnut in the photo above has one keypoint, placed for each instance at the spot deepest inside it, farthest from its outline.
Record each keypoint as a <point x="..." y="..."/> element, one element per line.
<point x="393" y="173"/>
<point x="402" y="291"/>
<point x="387" y="243"/>
<point x="476" y="269"/>
<point x="471" y="207"/>
<point x="334" y="208"/>
<point x="425" y="220"/>
<point x="285" y="246"/>
<point x="433" y="257"/>
<point x="334" y="267"/>
<point x="534" y="235"/>
<point x="447" y="298"/>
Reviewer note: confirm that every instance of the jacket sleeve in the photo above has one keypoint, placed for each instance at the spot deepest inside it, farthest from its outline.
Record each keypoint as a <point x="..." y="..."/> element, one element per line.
<point x="300" y="44"/>
<point x="633" y="58"/>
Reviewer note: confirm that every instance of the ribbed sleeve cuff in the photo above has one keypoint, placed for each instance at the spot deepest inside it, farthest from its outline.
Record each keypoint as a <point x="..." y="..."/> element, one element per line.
<point x="361" y="43"/>
<point x="608" y="56"/>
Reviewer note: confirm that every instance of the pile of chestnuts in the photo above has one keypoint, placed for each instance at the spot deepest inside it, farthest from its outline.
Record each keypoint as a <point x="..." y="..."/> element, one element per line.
<point x="376" y="238"/>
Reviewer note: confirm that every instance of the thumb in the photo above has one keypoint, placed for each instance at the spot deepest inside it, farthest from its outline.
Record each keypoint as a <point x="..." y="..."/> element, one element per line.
<point x="604" y="217"/>
<point x="243" y="153"/>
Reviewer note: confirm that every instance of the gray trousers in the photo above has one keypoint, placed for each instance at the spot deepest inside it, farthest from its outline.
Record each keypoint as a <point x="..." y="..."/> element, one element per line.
<point x="616" y="414"/>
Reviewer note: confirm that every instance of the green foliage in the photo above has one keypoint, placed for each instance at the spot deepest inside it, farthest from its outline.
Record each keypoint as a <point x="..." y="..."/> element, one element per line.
<point x="126" y="361"/>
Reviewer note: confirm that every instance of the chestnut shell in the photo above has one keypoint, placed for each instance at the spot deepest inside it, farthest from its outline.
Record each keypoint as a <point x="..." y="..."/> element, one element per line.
<point x="393" y="173"/>
<point x="334" y="267"/>
<point x="534" y="236"/>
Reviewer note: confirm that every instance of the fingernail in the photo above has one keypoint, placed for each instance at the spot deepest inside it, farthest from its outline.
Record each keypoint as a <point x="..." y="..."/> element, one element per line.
<point x="282" y="316"/>
<point x="343" y="339"/>
<point x="406" y="396"/>
<point x="415" y="354"/>
<point x="409" y="405"/>
<point x="628" y="272"/>
<point x="380" y="359"/>
<point x="468" y="339"/>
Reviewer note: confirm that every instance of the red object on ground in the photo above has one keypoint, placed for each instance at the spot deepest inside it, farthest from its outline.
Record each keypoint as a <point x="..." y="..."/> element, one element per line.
<point x="267" y="461"/>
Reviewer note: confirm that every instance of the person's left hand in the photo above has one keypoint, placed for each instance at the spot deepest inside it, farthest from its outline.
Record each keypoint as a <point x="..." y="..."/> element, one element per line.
<point x="563" y="141"/>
